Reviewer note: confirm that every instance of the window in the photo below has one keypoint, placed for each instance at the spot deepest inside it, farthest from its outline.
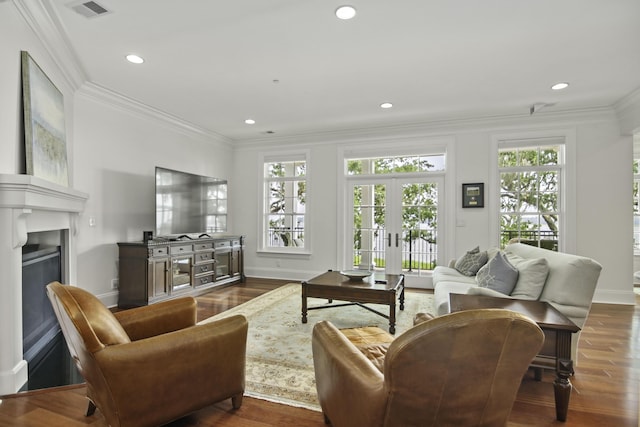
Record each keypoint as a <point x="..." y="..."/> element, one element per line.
<point x="285" y="196"/>
<point x="394" y="208"/>
<point x="396" y="165"/>
<point x="530" y="193"/>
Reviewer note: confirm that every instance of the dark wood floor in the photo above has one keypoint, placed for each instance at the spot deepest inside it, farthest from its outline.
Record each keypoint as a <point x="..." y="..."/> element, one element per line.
<point x="605" y="385"/>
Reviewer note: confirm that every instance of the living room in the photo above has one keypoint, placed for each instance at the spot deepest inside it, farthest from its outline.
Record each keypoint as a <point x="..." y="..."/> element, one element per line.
<point x="114" y="143"/>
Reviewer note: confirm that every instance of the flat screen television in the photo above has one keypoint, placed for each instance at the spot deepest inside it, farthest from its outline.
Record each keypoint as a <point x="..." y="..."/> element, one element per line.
<point x="188" y="204"/>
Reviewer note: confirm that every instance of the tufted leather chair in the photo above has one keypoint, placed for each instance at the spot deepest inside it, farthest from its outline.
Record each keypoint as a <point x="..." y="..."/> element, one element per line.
<point x="150" y="365"/>
<point x="460" y="369"/>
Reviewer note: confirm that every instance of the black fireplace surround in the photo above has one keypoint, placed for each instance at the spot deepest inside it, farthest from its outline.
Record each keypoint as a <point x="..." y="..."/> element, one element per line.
<point x="44" y="347"/>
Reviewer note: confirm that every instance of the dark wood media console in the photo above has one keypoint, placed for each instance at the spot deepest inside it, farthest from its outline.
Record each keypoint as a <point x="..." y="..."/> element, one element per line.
<point x="163" y="269"/>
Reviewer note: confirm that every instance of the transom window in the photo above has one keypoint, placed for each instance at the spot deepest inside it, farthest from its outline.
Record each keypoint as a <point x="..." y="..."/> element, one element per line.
<point x="397" y="164"/>
<point x="530" y="194"/>
<point x="285" y="194"/>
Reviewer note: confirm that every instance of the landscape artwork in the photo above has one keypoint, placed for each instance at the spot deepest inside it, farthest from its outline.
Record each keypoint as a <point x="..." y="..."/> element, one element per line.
<point x="44" y="128"/>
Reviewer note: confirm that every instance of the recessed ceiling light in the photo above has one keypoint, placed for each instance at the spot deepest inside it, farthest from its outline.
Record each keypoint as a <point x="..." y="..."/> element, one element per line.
<point x="560" y="86"/>
<point x="135" y="59"/>
<point x="346" y="12"/>
<point x="250" y="122"/>
<point x="386" y="105"/>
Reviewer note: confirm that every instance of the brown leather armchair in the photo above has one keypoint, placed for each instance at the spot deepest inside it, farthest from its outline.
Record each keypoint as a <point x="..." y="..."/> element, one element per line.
<point x="460" y="369"/>
<point x="150" y="365"/>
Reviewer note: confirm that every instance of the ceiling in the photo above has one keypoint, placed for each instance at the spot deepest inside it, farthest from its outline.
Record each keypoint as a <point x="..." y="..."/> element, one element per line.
<point x="295" y="68"/>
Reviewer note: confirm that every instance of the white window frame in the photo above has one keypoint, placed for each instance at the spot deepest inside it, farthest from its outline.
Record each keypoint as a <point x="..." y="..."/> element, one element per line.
<point x="567" y="185"/>
<point x="284" y="156"/>
<point x="399" y="147"/>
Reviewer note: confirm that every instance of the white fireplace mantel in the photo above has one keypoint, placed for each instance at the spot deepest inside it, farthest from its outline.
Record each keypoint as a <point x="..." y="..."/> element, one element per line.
<point x="28" y="204"/>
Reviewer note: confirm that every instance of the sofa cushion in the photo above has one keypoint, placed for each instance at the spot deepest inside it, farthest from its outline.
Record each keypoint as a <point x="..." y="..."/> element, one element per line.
<point x="469" y="263"/>
<point x="372" y="341"/>
<point x="498" y="274"/>
<point x="532" y="274"/>
<point x="477" y="290"/>
<point x="571" y="281"/>
<point x="442" y="290"/>
<point x="449" y="274"/>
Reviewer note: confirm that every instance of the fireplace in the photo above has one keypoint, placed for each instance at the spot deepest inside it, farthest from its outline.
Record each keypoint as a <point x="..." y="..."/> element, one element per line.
<point x="28" y="206"/>
<point x="43" y="345"/>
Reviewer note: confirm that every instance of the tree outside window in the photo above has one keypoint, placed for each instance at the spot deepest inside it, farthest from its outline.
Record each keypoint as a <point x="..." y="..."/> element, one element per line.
<point x="285" y="194"/>
<point x="530" y="195"/>
<point x="419" y="211"/>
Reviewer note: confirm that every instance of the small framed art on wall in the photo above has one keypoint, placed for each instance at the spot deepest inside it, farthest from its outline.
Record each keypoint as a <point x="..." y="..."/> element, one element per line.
<point x="473" y="195"/>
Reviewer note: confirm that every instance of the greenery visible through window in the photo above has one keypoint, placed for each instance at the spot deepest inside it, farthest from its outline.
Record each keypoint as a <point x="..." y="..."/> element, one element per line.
<point x="397" y="164"/>
<point x="418" y="227"/>
<point x="285" y="203"/>
<point x="530" y="195"/>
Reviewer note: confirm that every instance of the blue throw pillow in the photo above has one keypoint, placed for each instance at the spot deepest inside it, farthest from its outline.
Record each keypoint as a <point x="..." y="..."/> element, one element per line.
<point x="498" y="274"/>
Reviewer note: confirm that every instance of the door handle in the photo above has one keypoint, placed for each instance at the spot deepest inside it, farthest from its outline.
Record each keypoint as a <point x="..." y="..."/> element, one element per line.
<point x="396" y="240"/>
<point x="389" y="240"/>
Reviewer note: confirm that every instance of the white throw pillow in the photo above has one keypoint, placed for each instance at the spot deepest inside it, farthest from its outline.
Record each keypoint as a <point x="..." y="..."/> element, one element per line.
<point x="498" y="274"/>
<point x="532" y="275"/>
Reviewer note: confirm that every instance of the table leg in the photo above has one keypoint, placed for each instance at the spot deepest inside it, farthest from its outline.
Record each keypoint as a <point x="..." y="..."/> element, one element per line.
<point x="304" y="303"/>
<point x="392" y="315"/>
<point x="562" y="388"/>
<point x="402" y="297"/>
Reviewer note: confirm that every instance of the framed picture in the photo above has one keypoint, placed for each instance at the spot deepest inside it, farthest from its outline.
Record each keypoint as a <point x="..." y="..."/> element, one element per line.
<point x="473" y="195"/>
<point x="44" y="128"/>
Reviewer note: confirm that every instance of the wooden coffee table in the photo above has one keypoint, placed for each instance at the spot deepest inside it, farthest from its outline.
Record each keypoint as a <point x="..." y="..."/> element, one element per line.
<point x="375" y="289"/>
<point x="556" y="350"/>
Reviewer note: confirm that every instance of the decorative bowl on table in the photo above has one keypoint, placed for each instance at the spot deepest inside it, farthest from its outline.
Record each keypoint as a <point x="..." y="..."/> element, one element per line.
<point x="356" y="275"/>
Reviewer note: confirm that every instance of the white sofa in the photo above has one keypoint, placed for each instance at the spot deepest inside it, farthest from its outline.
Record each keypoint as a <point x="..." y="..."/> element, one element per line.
<point x="569" y="285"/>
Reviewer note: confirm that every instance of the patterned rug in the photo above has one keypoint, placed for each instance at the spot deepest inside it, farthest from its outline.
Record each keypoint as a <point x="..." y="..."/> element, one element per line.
<point x="279" y="360"/>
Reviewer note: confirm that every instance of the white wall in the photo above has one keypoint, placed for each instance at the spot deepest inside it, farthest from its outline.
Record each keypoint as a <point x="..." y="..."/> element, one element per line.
<point x="601" y="215"/>
<point x="117" y="152"/>
<point x="113" y="146"/>
<point x="113" y="149"/>
<point x="15" y="36"/>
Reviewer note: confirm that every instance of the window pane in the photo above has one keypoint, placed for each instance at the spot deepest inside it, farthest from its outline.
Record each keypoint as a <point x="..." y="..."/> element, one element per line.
<point x="285" y="169"/>
<point x="548" y="202"/>
<point x="383" y="166"/>
<point x="528" y="202"/>
<point x="399" y="164"/>
<point x="530" y="195"/>
<point x="549" y="155"/>
<point x="432" y="163"/>
<point x="506" y="158"/>
<point x="549" y="181"/>
<point x="285" y="200"/>
<point x="528" y="157"/>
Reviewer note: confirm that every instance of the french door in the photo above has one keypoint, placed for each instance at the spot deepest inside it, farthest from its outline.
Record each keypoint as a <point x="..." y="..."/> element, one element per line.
<point x="393" y="225"/>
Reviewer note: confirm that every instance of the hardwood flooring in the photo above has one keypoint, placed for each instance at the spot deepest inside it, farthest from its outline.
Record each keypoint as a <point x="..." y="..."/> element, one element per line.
<point x="605" y="392"/>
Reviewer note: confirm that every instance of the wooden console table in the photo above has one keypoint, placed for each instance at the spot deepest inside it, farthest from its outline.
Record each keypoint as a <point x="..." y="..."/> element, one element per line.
<point x="375" y="289"/>
<point x="556" y="350"/>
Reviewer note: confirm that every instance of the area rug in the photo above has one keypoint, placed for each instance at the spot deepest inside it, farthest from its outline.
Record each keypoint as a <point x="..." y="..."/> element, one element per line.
<point x="279" y="360"/>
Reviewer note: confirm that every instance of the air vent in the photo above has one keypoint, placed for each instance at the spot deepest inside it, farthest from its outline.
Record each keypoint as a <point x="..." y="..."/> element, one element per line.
<point x="89" y="9"/>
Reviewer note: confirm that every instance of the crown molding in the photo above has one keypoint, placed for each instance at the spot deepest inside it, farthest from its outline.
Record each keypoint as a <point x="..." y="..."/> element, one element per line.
<point x="128" y="105"/>
<point x="628" y="113"/>
<point x="45" y="24"/>
<point x="630" y="100"/>
<point x="439" y="127"/>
